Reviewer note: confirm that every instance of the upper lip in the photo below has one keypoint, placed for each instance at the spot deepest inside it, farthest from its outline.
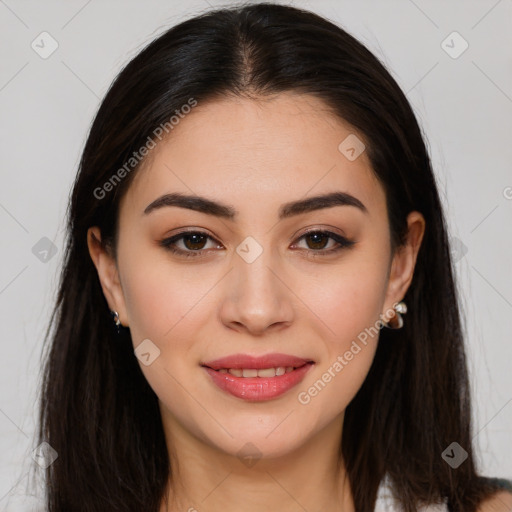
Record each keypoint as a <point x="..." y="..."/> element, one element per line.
<point x="266" y="361"/>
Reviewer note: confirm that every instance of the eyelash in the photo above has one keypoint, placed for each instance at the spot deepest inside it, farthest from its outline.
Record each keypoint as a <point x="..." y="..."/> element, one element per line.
<point x="342" y="241"/>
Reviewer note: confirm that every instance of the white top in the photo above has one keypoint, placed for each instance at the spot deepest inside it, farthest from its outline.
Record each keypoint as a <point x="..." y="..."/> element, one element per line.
<point x="386" y="503"/>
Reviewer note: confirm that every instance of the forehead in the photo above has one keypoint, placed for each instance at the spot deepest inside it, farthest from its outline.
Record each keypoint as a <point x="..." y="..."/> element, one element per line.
<point x="286" y="146"/>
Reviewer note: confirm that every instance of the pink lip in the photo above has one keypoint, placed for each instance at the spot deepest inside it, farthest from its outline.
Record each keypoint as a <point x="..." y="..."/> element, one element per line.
<point x="258" y="388"/>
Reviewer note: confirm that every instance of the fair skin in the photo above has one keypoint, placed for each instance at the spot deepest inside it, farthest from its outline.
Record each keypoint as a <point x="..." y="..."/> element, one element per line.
<point x="500" y="502"/>
<point x="255" y="156"/>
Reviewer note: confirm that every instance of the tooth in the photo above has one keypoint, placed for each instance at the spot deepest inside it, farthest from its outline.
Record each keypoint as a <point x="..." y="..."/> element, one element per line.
<point x="267" y="372"/>
<point x="252" y="372"/>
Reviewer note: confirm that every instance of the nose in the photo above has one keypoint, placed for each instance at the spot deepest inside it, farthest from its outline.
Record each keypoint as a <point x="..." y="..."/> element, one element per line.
<point x="257" y="298"/>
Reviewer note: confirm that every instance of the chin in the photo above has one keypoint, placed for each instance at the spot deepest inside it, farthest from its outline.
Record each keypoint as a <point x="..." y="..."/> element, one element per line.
<point x="256" y="439"/>
<point x="251" y="450"/>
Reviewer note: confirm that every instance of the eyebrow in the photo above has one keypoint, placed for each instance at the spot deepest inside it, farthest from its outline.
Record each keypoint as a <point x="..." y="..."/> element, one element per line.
<point x="210" y="207"/>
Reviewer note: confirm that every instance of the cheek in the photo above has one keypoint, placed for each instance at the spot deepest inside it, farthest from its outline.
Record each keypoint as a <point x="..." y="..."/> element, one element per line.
<point x="159" y="295"/>
<point x="350" y="306"/>
<point x="349" y="300"/>
<point x="161" y="303"/>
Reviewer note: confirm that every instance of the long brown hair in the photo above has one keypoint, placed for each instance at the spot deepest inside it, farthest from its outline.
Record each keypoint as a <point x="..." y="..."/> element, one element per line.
<point x="98" y="411"/>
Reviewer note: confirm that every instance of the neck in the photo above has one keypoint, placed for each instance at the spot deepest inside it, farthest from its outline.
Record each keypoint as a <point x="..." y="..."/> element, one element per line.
<point x="207" y="479"/>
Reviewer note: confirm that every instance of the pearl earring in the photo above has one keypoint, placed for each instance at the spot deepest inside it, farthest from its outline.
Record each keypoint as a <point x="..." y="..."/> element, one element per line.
<point x="400" y="309"/>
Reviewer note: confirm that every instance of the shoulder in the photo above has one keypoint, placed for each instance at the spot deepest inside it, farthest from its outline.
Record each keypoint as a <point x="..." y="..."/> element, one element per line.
<point x="501" y="501"/>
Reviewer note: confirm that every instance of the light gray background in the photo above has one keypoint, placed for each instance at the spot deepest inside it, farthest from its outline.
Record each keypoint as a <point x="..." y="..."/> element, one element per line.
<point x="464" y="105"/>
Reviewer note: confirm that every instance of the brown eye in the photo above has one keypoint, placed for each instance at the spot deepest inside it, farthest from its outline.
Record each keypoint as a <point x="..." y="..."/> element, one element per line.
<point x="193" y="243"/>
<point x="317" y="241"/>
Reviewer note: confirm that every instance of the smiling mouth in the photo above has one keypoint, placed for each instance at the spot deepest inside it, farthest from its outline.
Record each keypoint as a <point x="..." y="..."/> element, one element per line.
<point x="256" y="372"/>
<point x="258" y="384"/>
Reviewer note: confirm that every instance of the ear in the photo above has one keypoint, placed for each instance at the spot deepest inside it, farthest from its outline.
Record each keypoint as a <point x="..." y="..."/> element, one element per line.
<point x="404" y="261"/>
<point x="108" y="274"/>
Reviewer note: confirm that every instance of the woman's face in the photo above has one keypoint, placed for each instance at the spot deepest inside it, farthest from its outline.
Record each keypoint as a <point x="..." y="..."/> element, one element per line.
<point x="250" y="280"/>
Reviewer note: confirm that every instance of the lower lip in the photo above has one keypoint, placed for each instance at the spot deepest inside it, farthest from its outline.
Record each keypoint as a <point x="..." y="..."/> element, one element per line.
<point x="258" y="388"/>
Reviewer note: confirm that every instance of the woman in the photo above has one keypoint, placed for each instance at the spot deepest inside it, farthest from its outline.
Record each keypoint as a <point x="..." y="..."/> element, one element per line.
<point x="258" y="309"/>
